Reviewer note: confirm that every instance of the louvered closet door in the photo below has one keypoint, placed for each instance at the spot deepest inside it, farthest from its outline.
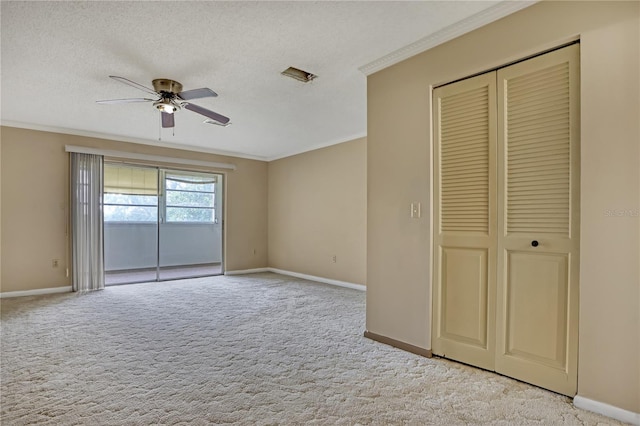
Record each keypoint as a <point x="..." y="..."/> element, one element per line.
<point x="465" y="220"/>
<point x="538" y="216"/>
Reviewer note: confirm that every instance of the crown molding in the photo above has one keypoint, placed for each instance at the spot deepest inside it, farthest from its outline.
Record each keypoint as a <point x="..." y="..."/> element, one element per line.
<point x="318" y="146"/>
<point x="147" y="157"/>
<point x="450" y="32"/>
<point x="120" y="138"/>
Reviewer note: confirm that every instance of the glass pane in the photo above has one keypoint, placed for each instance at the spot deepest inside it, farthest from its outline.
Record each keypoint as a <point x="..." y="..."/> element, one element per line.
<point x="190" y="199"/>
<point x="145" y="200"/>
<point x="190" y="183"/>
<point x="130" y="214"/>
<point x="185" y="214"/>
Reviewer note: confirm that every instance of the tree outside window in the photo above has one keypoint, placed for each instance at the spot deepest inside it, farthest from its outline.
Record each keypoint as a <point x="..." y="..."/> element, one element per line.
<point x="190" y="198"/>
<point x="131" y="195"/>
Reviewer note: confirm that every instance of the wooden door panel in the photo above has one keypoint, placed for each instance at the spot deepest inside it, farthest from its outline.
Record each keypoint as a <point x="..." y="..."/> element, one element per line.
<point x="536" y="295"/>
<point x="465" y="280"/>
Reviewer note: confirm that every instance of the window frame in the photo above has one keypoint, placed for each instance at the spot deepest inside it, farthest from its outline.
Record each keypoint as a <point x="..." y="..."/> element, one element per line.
<point x="163" y="206"/>
<point x="157" y="198"/>
<point x="161" y="197"/>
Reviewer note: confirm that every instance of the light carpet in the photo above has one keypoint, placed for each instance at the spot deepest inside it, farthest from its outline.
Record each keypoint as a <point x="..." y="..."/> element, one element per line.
<point x="258" y="349"/>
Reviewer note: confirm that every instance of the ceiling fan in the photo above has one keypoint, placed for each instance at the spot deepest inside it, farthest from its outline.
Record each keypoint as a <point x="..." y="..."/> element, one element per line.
<point x="170" y="98"/>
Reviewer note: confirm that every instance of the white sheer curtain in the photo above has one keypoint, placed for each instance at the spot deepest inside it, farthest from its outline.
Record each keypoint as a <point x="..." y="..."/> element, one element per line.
<point x="86" y="206"/>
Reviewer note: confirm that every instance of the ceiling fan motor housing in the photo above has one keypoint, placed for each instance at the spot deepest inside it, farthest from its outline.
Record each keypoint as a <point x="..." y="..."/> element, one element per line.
<point x="164" y="85"/>
<point x="169" y="90"/>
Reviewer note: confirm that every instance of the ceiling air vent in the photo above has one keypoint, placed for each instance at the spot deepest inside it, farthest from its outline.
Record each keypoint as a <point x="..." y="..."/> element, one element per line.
<point x="299" y="74"/>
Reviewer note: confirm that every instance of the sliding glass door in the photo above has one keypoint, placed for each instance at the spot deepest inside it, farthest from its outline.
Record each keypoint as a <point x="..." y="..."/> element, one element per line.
<point x="190" y="230"/>
<point x="130" y="209"/>
<point x="161" y="224"/>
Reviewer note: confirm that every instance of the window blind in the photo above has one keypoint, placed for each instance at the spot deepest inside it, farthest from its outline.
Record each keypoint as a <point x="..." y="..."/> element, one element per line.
<point x="120" y="179"/>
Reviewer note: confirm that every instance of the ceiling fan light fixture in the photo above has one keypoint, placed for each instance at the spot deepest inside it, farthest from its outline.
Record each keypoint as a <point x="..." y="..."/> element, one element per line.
<point x="166" y="106"/>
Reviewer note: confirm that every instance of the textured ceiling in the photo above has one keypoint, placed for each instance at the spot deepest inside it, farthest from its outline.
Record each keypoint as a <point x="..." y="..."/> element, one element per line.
<point x="57" y="56"/>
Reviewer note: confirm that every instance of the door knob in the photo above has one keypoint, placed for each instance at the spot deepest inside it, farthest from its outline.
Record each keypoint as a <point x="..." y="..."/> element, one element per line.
<point x="534" y="243"/>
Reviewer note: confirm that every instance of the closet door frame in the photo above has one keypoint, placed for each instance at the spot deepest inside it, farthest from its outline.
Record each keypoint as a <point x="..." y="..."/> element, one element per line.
<point x="559" y="374"/>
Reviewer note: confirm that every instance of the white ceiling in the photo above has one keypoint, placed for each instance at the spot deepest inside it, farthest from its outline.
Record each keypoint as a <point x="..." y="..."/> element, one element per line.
<point x="57" y="56"/>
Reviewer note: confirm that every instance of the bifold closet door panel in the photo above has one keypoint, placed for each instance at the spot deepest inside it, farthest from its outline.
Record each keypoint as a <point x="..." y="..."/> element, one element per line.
<point x="465" y="220"/>
<point x="538" y="220"/>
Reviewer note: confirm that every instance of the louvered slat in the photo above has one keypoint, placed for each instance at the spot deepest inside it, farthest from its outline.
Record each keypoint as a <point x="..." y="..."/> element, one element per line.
<point x="464" y="185"/>
<point x="538" y="152"/>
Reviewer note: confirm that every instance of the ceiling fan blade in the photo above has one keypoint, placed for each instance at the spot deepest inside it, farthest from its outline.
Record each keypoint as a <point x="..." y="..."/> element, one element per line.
<point x="210" y="121"/>
<point x="207" y="113"/>
<point x="167" y="120"/>
<point x="124" y="101"/>
<point x="204" y="92"/>
<point x="133" y="84"/>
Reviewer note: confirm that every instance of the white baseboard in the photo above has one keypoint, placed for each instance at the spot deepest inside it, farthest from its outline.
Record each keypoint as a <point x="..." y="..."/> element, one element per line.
<point x="607" y="410"/>
<point x="359" y="287"/>
<point x="36" y="292"/>
<point x="68" y="289"/>
<point x="247" y="271"/>
<point x="338" y="283"/>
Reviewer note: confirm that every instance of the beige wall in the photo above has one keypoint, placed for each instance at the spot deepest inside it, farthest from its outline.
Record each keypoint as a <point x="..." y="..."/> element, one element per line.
<point x="399" y="168"/>
<point x="35" y="200"/>
<point x="0" y="212"/>
<point x="317" y="210"/>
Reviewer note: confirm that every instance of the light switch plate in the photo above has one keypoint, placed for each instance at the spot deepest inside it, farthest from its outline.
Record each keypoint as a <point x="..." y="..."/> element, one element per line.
<point x="415" y="210"/>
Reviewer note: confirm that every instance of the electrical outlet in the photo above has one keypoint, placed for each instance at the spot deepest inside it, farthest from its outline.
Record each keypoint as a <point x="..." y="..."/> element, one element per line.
<point x="55" y="263"/>
<point x="334" y="259"/>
